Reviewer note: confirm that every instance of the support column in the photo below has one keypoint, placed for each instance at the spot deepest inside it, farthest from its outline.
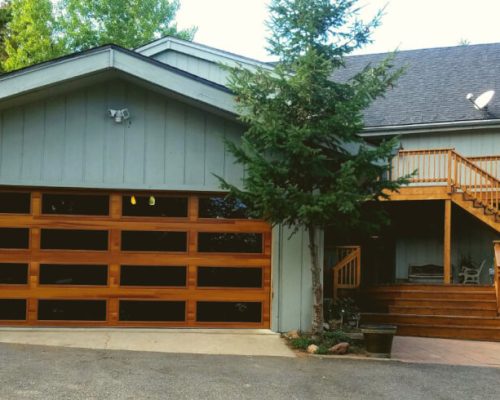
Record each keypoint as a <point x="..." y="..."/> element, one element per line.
<point x="447" y="242"/>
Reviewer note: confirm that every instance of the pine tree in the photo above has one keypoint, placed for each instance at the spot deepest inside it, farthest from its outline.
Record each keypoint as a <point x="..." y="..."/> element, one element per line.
<point x="306" y="166"/>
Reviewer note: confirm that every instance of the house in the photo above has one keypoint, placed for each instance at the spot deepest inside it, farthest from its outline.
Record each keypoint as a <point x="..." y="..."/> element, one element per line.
<point x="111" y="214"/>
<point x="448" y="217"/>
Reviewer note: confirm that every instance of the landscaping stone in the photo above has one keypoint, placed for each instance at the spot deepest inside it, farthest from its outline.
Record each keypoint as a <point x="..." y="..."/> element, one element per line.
<point x="340" y="348"/>
<point x="312" y="349"/>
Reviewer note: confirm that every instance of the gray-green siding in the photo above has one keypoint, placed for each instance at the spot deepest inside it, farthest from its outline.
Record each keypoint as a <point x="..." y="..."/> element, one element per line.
<point x="70" y="141"/>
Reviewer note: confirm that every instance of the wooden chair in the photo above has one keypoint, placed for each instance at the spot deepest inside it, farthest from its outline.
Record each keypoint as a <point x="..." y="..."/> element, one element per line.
<point x="471" y="275"/>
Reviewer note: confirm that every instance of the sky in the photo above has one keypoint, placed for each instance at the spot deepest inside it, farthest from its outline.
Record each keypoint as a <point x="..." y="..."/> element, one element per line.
<point x="238" y="26"/>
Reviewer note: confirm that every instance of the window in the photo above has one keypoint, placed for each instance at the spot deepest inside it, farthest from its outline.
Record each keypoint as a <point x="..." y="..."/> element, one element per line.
<point x="12" y="310"/>
<point x="154" y="206"/>
<point x="15" y="203"/>
<point x="66" y="239"/>
<point x="72" y="310"/>
<point x="13" y="274"/>
<point x="219" y="311"/>
<point x="221" y="207"/>
<point x="134" y="275"/>
<point x="14" y="238"/>
<point x="57" y="274"/>
<point x="230" y="242"/>
<point x="229" y="277"/>
<point x="154" y="241"/>
<point x="75" y="204"/>
<point x="158" y="311"/>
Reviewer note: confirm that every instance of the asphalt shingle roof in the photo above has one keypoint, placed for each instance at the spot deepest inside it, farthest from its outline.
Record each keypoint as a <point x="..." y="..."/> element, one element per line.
<point x="435" y="84"/>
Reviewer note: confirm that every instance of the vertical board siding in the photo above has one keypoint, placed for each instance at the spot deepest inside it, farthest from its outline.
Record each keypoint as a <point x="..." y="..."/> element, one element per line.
<point x="69" y="140"/>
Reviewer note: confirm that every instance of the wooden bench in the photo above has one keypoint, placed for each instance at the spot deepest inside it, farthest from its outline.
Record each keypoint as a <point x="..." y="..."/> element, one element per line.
<point x="429" y="273"/>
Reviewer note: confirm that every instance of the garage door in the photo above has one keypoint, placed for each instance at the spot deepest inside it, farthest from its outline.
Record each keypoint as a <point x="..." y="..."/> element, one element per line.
<point x="131" y="259"/>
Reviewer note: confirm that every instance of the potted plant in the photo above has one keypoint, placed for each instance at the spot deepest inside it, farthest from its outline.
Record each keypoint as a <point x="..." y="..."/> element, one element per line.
<point x="378" y="339"/>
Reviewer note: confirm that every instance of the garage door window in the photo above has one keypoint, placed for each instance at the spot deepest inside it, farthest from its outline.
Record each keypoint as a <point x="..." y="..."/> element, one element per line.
<point x="65" y="239"/>
<point x="154" y="241"/>
<point x="75" y="204"/>
<point x="154" y="206"/>
<point x="57" y="274"/>
<point x="229" y="277"/>
<point x="220" y="311"/>
<point x="159" y="311"/>
<point x="221" y="207"/>
<point x="14" y="238"/>
<point x="15" y="203"/>
<point x="134" y="275"/>
<point x="12" y="310"/>
<point x="72" y="310"/>
<point x="230" y="242"/>
<point x="13" y="274"/>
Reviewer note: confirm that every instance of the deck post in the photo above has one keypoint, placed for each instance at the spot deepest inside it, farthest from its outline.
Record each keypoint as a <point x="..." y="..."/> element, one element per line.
<point x="447" y="242"/>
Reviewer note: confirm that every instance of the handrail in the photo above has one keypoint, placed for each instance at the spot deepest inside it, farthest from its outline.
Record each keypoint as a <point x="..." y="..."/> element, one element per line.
<point x="490" y="164"/>
<point x="496" y="266"/>
<point x="347" y="271"/>
<point x="446" y="166"/>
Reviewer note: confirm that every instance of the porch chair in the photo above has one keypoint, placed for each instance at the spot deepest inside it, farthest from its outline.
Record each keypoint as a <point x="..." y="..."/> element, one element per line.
<point x="471" y="275"/>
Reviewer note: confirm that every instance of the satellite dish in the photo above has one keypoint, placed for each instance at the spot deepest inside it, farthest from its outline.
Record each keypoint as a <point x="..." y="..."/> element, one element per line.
<point x="482" y="101"/>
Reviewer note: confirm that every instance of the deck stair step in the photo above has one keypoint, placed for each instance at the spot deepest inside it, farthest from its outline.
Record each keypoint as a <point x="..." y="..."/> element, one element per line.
<point x="448" y="311"/>
<point x="462" y="311"/>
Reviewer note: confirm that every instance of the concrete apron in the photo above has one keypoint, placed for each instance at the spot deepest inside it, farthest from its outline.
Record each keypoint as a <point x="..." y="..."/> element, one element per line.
<point x="248" y="342"/>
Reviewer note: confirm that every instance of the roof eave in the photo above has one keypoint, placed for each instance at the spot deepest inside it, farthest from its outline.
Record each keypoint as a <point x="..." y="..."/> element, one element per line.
<point x="396" y="130"/>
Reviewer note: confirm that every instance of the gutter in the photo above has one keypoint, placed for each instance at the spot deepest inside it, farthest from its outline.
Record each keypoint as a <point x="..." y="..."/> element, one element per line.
<point x="396" y="130"/>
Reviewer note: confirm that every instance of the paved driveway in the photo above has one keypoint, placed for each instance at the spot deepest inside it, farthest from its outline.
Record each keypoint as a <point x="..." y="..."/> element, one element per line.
<point x="38" y="372"/>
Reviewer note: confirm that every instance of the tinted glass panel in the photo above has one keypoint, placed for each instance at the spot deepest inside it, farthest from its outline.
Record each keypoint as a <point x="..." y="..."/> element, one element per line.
<point x="15" y="203"/>
<point x="56" y="274"/>
<point x="218" y="311"/>
<point x="154" y="206"/>
<point x="13" y="274"/>
<point x="13" y="310"/>
<point x="221" y="207"/>
<point x="133" y="275"/>
<point x="230" y="242"/>
<point x="153" y="241"/>
<point x="14" y="238"/>
<point x="132" y="310"/>
<point x="72" y="310"/>
<point x="75" y="204"/>
<point x="230" y="277"/>
<point x="65" y="239"/>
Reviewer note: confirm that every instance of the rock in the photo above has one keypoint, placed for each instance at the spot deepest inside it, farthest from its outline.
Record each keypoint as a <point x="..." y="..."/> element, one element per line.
<point x="292" y="334"/>
<point x="312" y="349"/>
<point x="340" y="348"/>
<point x="326" y="326"/>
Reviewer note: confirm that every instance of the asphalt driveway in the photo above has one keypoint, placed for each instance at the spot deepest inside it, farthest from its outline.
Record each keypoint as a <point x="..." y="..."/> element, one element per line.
<point x="39" y="372"/>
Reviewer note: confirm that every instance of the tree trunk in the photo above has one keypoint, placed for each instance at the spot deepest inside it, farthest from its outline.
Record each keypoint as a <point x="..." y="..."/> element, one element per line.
<point x="317" y="286"/>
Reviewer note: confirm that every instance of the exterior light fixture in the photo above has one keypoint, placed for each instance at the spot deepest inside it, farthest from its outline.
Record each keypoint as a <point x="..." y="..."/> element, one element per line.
<point x="152" y="200"/>
<point x="133" y="200"/>
<point x="119" y="115"/>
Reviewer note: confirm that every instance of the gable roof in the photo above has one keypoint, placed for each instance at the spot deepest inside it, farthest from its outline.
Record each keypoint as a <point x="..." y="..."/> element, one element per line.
<point x="114" y="58"/>
<point x="431" y="93"/>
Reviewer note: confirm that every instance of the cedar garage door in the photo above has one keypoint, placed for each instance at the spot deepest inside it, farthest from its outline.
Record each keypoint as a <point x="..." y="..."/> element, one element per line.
<point x="131" y="259"/>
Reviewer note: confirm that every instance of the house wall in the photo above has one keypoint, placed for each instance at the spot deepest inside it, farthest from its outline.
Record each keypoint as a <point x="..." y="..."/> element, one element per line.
<point x="470" y="238"/>
<point x="467" y="143"/>
<point x="69" y="141"/>
<point x="197" y="66"/>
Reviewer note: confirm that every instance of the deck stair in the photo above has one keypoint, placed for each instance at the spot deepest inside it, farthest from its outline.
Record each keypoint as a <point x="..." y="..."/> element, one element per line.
<point x="446" y="311"/>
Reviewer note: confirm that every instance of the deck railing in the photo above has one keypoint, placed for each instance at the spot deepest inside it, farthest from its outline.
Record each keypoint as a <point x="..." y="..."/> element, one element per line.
<point x="347" y="271"/>
<point x="447" y="167"/>
<point x="490" y="164"/>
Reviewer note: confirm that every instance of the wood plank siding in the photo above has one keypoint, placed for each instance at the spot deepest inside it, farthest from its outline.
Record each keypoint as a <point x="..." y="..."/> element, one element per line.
<point x="69" y="141"/>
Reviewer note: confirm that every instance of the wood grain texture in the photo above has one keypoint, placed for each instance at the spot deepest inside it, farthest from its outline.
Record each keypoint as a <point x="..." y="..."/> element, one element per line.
<point x="115" y="223"/>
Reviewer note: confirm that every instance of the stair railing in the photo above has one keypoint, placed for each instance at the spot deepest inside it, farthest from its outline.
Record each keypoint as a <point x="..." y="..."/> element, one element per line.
<point x="496" y="276"/>
<point x="490" y="164"/>
<point x="446" y="166"/>
<point x="347" y="270"/>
